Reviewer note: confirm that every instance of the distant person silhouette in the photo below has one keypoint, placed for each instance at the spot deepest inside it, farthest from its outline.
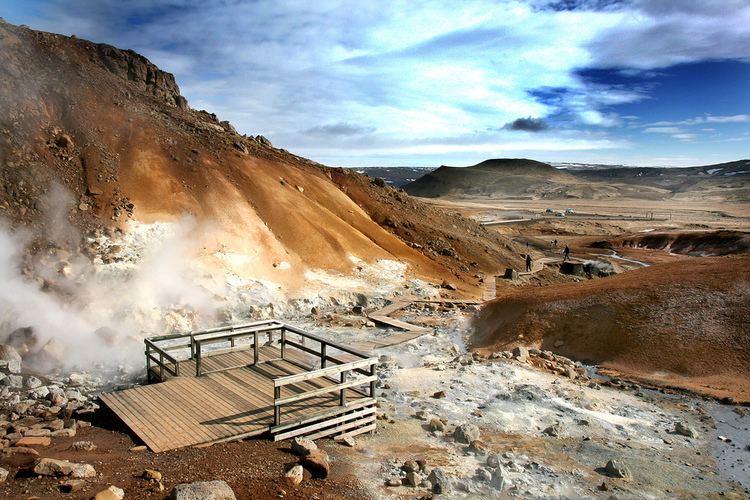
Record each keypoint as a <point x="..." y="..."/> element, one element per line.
<point x="528" y="263"/>
<point x="566" y="253"/>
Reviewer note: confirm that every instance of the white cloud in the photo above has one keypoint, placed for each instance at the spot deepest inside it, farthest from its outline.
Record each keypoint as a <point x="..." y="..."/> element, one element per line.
<point x="377" y="75"/>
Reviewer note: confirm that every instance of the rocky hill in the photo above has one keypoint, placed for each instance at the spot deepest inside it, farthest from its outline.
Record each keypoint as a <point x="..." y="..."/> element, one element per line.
<point x="514" y="178"/>
<point x="497" y="177"/>
<point x="113" y="133"/>
<point x="682" y="323"/>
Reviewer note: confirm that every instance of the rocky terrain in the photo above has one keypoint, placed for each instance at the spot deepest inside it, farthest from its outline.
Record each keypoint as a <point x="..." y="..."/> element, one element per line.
<point x="125" y="213"/>
<point x="680" y="323"/>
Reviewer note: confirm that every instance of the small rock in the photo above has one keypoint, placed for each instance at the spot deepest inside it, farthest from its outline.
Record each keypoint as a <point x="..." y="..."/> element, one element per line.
<point x="63" y="433"/>
<point x="498" y="479"/>
<point x="317" y="463"/>
<point x="3" y="475"/>
<point x="521" y="353"/>
<point x="484" y="475"/>
<point x="111" y="493"/>
<point x="477" y="447"/>
<point x="203" y="490"/>
<point x="137" y="449"/>
<point x="439" y="480"/>
<point x="393" y="482"/>
<point x="685" y="430"/>
<point x="466" y="433"/>
<point x="11" y="357"/>
<point x="52" y="467"/>
<point x="412" y="479"/>
<point x="437" y="425"/>
<point x="615" y="469"/>
<point x="348" y="441"/>
<point x="37" y="433"/>
<point x="439" y="395"/>
<point x="294" y="475"/>
<point x="151" y="475"/>
<point x="448" y="286"/>
<point x="72" y="485"/>
<point x="303" y="446"/>
<point x="552" y="430"/>
<point x="32" y="382"/>
<point x="83" y="446"/>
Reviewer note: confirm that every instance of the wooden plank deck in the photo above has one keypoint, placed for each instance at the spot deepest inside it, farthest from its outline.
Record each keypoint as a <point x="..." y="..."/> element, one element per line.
<point x="219" y="406"/>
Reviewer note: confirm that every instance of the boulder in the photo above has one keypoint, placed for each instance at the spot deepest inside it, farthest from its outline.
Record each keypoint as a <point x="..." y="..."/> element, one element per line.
<point x="520" y="353"/>
<point x="437" y="425"/>
<point x="317" y="463"/>
<point x="498" y="479"/>
<point x="32" y="382"/>
<point x="12" y="381"/>
<point x="19" y="451"/>
<point x="466" y="433"/>
<point x="439" y="481"/>
<point x="111" y="493"/>
<point x="34" y="441"/>
<point x="494" y="460"/>
<point x="685" y="430"/>
<point x="12" y="359"/>
<point x="615" y="469"/>
<point x="412" y="479"/>
<point x="203" y="490"/>
<point x="447" y="285"/>
<point x="37" y="433"/>
<point x="294" y="475"/>
<point x="53" y="467"/>
<point x="510" y="274"/>
<point x="303" y="446"/>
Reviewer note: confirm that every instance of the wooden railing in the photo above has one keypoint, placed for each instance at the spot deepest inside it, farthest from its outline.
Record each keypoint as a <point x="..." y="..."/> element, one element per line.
<point x="343" y="368"/>
<point x="339" y="373"/>
<point x="171" y="365"/>
<point x="195" y="340"/>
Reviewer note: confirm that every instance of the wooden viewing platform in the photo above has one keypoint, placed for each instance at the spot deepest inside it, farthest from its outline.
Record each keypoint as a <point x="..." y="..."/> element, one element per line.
<point x="234" y="382"/>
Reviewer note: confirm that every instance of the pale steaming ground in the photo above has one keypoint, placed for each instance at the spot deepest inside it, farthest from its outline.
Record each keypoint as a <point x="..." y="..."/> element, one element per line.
<point x="151" y="279"/>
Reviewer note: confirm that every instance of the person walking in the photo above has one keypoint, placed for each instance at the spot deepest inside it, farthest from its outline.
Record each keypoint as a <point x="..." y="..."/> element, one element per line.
<point x="566" y="253"/>
<point x="528" y="263"/>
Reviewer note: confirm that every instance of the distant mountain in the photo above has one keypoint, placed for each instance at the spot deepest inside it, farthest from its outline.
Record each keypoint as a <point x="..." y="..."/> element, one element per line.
<point x="522" y="178"/>
<point x="729" y="181"/>
<point x="395" y="176"/>
<point x="498" y="177"/>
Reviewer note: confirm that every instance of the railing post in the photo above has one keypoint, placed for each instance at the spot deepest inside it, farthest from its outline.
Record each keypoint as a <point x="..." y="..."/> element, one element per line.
<point x="231" y="341"/>
<point x="342" y="396"/>
<point x="323" y="354"/>
<point x="148" y="363"/>
<point x="176" y="368"/>
<point x="276" y="408"/>
<point x="283" y="342"/>
<point x="198" y="359"/>
<point x="161" y="366"/>
<point x="372" y="383"/>
<point x="255" y="348"/>
<point x="192" y="346"/>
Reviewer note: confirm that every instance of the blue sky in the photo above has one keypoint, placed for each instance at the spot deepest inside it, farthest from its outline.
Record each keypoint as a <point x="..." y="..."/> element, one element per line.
<point x="412" y="82"/>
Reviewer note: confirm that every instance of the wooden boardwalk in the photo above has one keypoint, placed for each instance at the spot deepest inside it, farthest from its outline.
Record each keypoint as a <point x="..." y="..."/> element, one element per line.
<point x="236" y="398"/>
